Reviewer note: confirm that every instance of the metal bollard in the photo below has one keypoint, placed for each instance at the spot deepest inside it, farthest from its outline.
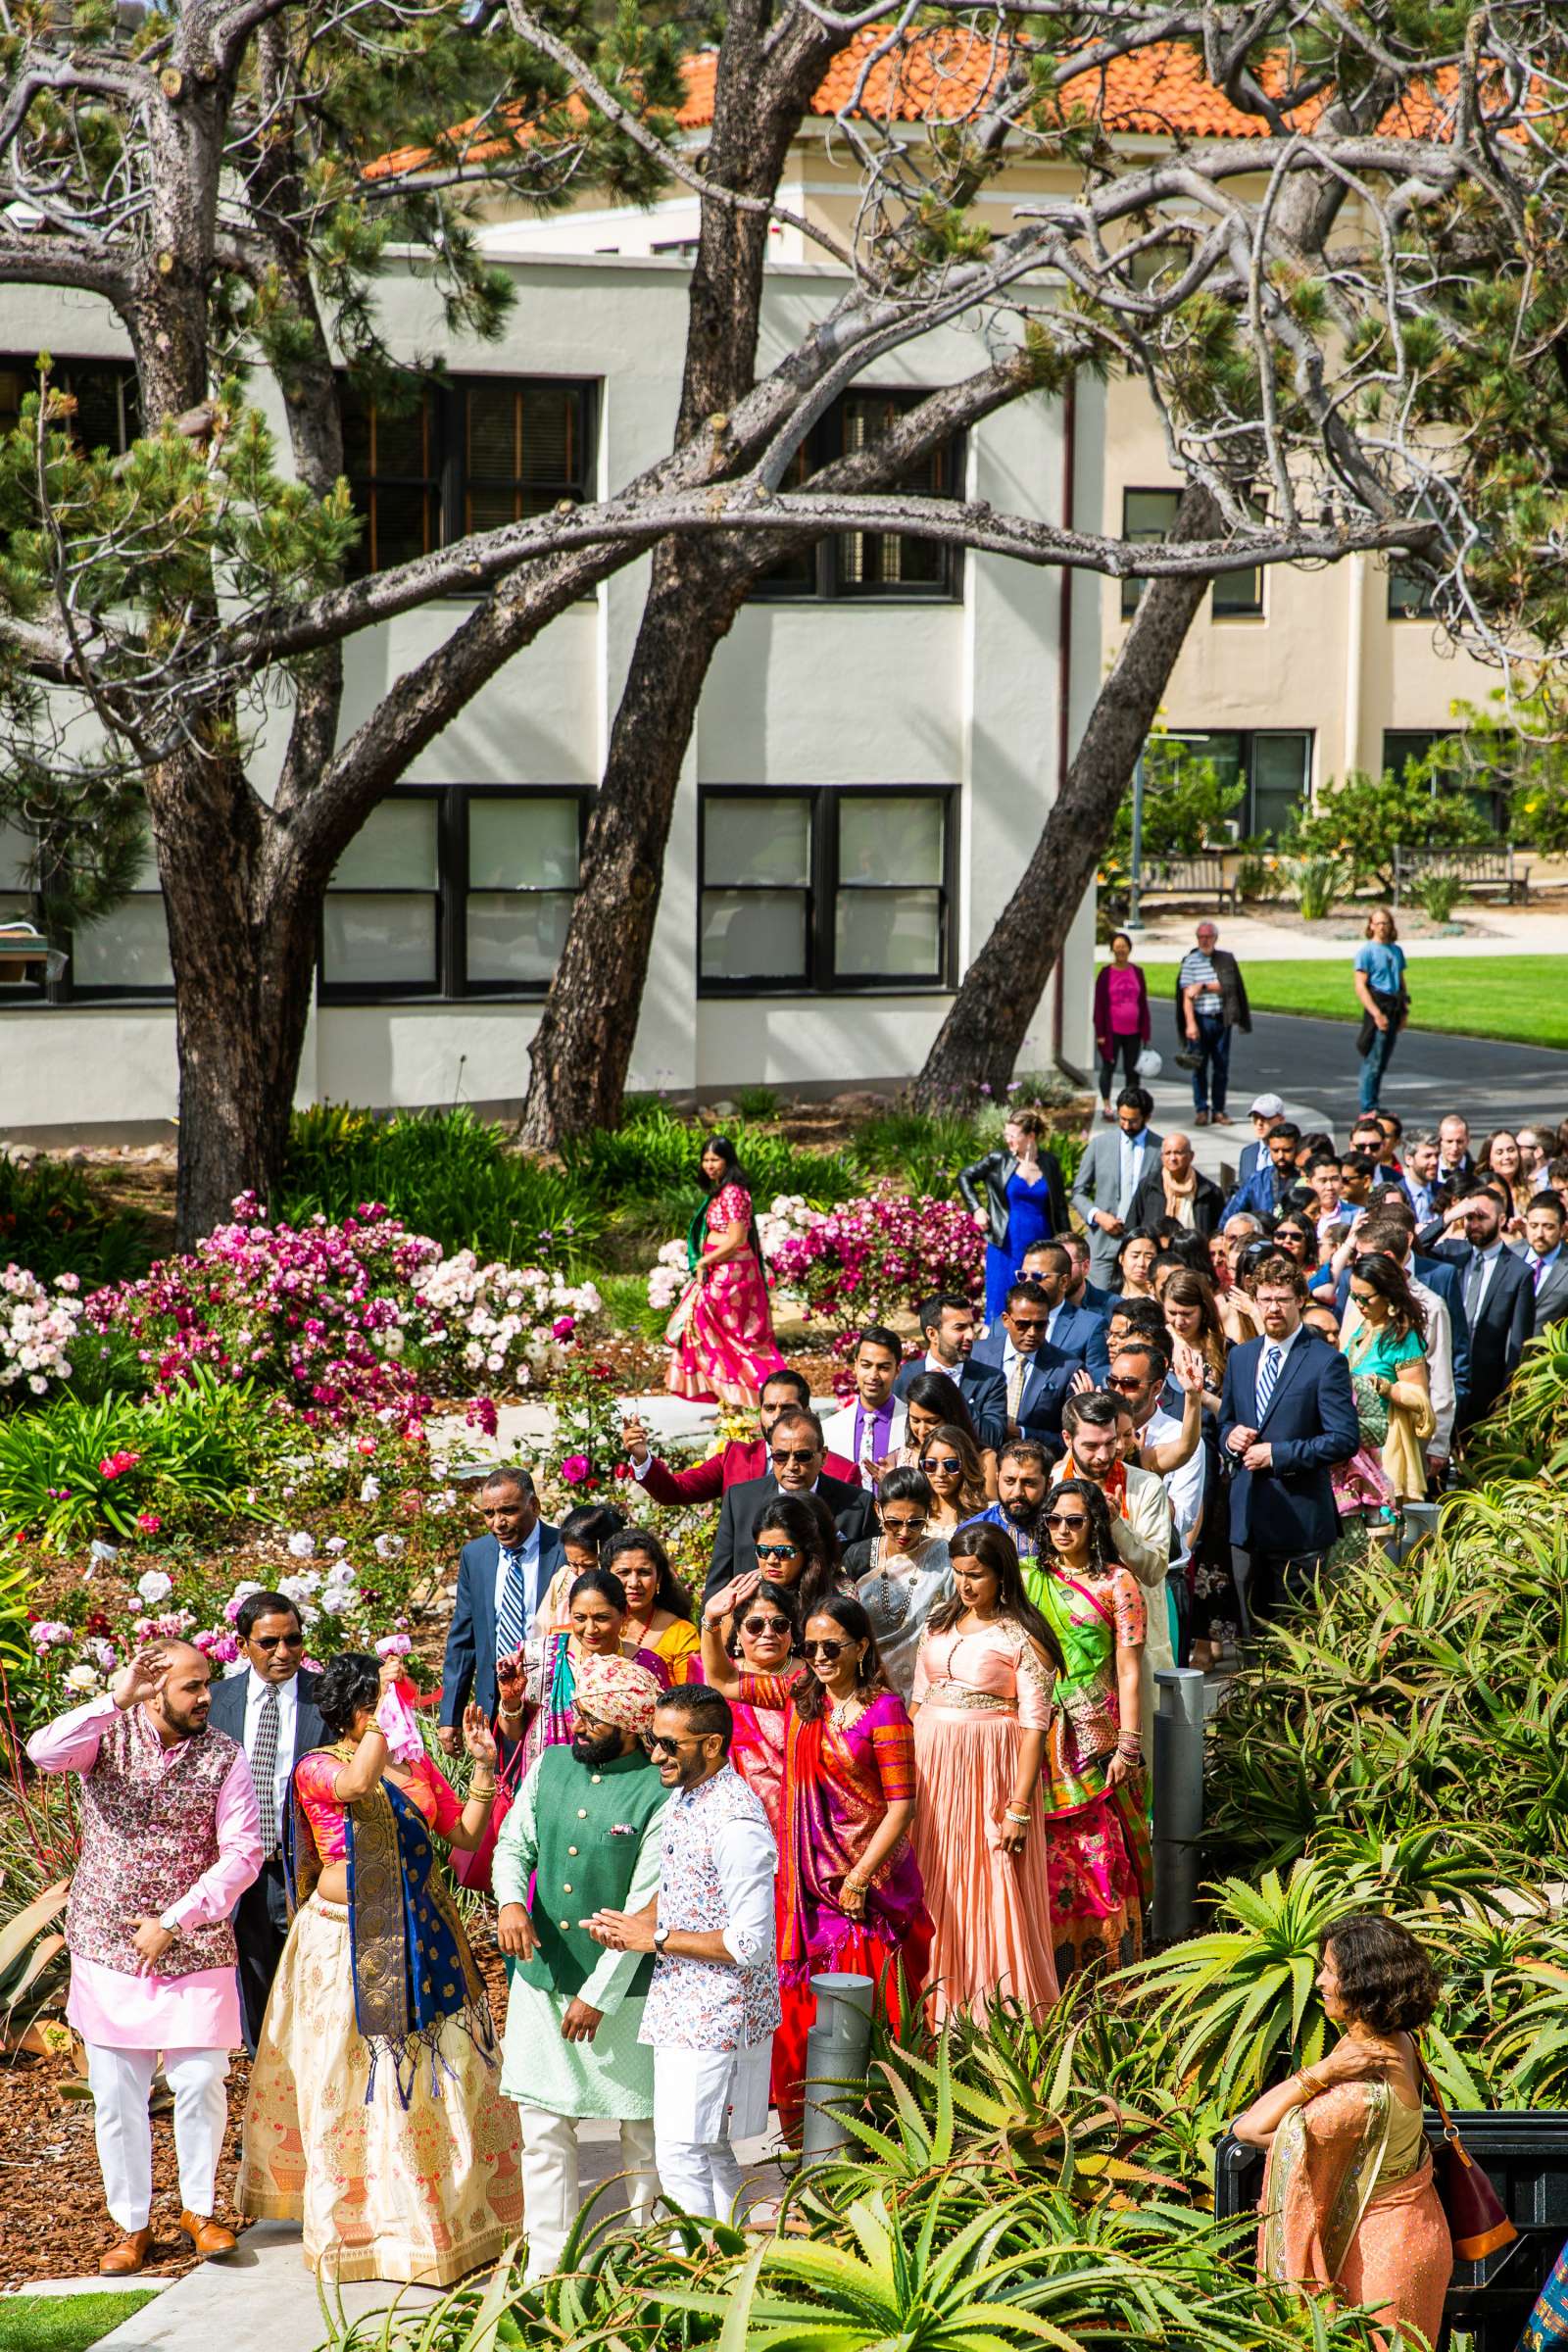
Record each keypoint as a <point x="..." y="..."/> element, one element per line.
<point x="1179" y="1712"/>
<point x="838" y="2050"/>
<point x="1418" y="1519"/>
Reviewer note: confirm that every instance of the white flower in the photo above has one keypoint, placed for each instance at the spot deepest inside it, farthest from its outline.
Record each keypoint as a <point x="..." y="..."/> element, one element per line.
<point x="298" y="1588"/>
<point x="387" y="1548"/>
<point x="337" y="1543"/>
<point x="245" y="1588"/>
<point x="155" y="1586"/>
<point x="341" y="1572"/>
<point x="370" y="1490"/>
<point x="301" y="1545"/>
<point x="82" y="1677"/>
<point x="337" y="1599"/>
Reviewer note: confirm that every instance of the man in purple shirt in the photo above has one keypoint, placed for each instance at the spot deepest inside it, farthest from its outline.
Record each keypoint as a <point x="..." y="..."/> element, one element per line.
<point x="870" y="1431"/>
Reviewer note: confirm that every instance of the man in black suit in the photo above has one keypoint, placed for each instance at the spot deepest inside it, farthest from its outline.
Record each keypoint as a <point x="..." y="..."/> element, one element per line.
<point x="1548" y="1261"/>
<point x="947" y="1322"/>
<point x="502" y="1578"/>
<point x="1287" y="1415"/>
<point x="1038" y="1345"/>
<point x="1499" y="1295"/>
<point x="271" y="1710"/>
<point x="797" y="1450"/>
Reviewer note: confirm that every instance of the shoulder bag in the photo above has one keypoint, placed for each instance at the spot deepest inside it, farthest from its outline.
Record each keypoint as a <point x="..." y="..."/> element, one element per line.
<point x="1477" y="2222"/>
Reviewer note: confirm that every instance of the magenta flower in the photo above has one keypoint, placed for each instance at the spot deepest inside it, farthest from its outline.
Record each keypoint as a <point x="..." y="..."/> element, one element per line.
<point x="576" y="1468"/>
<point x="148" y="1522"/>
<point x="563" y="1326"/>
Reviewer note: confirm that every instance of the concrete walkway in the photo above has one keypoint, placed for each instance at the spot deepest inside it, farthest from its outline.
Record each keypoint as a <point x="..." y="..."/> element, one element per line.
<point x="1255" y="939"/>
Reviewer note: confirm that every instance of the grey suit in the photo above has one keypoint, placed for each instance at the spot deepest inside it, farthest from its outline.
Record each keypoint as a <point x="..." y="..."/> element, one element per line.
<point x="1551" y="1299"/>
<point x="261" y="1916"/>
<point x="1098" y="1185"/>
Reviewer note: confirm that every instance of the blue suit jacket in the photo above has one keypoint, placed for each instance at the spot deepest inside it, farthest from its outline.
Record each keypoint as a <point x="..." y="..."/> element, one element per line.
<point x="1288" y="1509"/>
<point x="1079" y="1341"/>
<point x="982" y="1389"/>
<point x="228" y="1711"/>
<point x="1499" y="1331"/>
<point x="1259" y="1195"/>
<point x="1097" y="1302"/>
<point x="468" y="1669"/>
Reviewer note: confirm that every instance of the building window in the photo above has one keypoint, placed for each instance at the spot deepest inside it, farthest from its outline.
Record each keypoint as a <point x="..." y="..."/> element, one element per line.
<point x="1146" y="516"/>
<point x="461" y="892"/>
<point x="1402" y="745"/>
<point x="1409" y="596"/>
<point x="1274" y="767"/>
<point x="846" y="564"/>
<point x="465" y="456"/>
<point x="839" y="887"/>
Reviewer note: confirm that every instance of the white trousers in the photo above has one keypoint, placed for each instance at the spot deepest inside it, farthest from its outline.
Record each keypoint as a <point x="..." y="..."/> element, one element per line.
<point x="704" y="2100"/>
<point x="120" y="2082"/>
<point x="550" y="2191"/>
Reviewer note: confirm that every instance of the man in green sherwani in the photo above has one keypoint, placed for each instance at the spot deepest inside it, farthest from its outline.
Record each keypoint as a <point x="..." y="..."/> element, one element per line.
<point x="587" y="1827"/>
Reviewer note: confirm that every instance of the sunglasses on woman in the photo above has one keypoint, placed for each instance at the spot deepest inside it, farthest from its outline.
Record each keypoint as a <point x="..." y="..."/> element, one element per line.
<point x="939" y="1461"/>
<point x="1066" y="1519"/>
<point x="827" y="1652"/>
<point x="778" y="1551"/>
<point x="765" y="1625"/>
<point x="904" y="1527"/>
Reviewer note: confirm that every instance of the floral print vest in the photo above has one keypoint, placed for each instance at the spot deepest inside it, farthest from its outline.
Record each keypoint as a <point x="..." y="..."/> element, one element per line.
<point x="149" y="1828"/>
<point x="700" y="2004"/>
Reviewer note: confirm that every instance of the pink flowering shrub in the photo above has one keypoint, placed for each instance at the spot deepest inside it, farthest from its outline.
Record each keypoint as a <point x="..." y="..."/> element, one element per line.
<point x="38" y="1328"/>
<point x="316" y="1311"/>
<point x="872" y="1256"/>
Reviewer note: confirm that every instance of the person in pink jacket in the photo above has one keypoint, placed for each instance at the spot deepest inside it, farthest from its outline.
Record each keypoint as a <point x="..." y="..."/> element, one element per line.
<point x="1121" y="1018"/>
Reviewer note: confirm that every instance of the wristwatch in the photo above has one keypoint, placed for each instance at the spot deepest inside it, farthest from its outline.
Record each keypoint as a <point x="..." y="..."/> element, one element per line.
<point x="661" y="1938"/>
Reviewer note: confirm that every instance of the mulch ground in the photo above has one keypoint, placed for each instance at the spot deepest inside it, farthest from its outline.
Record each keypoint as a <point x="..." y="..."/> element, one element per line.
<point x="53" y="2222"/>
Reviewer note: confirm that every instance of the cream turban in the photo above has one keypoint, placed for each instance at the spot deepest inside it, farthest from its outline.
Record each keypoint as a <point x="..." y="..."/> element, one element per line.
<point x="620" y="1691"/>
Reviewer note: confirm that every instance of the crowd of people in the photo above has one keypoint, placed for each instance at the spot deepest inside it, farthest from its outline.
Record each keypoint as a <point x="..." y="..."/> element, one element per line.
<point x="904" y="1729"/>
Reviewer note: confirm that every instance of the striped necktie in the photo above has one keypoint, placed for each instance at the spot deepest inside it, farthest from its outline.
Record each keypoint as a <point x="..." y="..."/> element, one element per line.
<point x="511" y="1619"/>
<point x="264" y="1767"/>
<point x="1269" y="1374"/>
<point x="1020" y="1367"/>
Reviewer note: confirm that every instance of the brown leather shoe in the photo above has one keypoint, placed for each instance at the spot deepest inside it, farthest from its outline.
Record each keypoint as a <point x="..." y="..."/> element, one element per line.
<point x="129" y="2257"/>
<point x="208" y="2236"/>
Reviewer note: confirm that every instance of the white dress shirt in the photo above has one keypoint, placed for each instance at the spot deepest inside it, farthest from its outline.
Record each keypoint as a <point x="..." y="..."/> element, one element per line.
<point x="1130" y="1166"/>
<point x="528" y="1552"/>
<point x="288" y="1700"/>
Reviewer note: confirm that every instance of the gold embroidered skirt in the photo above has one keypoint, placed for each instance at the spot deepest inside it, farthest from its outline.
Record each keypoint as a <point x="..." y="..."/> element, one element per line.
<point x="422" y="2193"/>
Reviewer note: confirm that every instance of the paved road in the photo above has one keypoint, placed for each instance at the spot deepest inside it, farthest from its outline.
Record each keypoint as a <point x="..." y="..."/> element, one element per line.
<point x="1314" y="1065"/>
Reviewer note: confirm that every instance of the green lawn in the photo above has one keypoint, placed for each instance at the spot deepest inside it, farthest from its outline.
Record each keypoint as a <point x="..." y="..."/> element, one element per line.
<point x="1521" y="997"/>
<point x="61" y="2323"/>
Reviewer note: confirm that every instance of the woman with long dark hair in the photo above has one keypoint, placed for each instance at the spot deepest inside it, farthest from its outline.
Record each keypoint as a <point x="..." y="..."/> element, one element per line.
<point x="1097" y="1832"/>
<point x="763" y="1638"/>
<point x="374" y="2118"/>
<point x="1383" y="1339"/>
<point x="901" y="1573"/>
<point x="721" y="1334"/>
<point x="849" y="1886"/>
<point x="982" y="1703"/>
<point x="962" y="1480"/>
<point x="658" y="1613"/>
<point x="1349" y="2203"/>
<point x="797" y="1544"/>
<point x="594" y="1625"/>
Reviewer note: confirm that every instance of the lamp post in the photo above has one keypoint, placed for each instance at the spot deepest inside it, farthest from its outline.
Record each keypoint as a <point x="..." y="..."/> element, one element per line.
<point x="1135" y="882"/>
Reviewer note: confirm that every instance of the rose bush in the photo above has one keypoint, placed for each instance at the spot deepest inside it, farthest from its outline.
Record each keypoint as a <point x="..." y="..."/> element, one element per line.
<point x="875" y="1255"/>
<point x="488" y="1323"/>
<point x="38" y="1328"/>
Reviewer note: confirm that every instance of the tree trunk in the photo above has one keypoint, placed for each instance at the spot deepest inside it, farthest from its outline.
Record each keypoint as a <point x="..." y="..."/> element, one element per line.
<point x="243" y="972"/>
<point x="581" y="1051"/>
<point x="979" y="1041"/>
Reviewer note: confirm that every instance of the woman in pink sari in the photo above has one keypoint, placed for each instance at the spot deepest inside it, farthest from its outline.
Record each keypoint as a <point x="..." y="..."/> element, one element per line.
<point x="850" y="1895"/>
<point x="1349" y="2206"/>
<point x="721" y="1335"/>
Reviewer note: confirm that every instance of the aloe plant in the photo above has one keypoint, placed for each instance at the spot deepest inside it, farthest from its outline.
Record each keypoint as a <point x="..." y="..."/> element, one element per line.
<point x="31" y="1953"/>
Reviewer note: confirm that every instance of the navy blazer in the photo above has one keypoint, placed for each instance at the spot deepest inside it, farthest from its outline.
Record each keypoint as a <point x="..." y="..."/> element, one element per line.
<point x="1288" y="1509"/>
<point x="1079" y="1343"/>
<point x="1097" y="1302"/>
<point x="468" y="1669"/>
<point x="1499" y="1331"/>
<point x="983" y="1390"/>
<point x="227" y="1711"/>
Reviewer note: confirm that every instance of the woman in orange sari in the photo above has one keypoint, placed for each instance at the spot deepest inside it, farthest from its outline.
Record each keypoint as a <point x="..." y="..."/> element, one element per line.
<point x="1349" y="2204"/>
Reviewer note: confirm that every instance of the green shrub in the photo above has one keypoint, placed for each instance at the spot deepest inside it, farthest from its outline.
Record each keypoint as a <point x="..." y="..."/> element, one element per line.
<point x="1317" y="882"/>
<point x="1364" y="818"/>
<point x="654" y="1152"/>
<point x="1436" y="894"/>
<point x="626" y="1308"/>
<point x="54" y="1221"/>
<point x="72" y="1470"/>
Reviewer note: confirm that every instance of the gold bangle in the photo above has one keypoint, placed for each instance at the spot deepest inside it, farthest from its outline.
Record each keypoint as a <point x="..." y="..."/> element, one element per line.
<point x="481" y="1787"/>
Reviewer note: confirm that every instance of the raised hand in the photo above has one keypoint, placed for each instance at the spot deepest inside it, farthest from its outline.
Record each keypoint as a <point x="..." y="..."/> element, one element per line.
<point x="1189" y="1368"/>
<point x="510" y="1681"/>
<point x="478" y="1737"/>
<point x="140" y="1678"/>
<point x="634" y="1437"/>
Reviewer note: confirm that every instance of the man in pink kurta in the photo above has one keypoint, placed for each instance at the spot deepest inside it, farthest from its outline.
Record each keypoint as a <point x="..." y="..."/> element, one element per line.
<point x="170" y="1839"/>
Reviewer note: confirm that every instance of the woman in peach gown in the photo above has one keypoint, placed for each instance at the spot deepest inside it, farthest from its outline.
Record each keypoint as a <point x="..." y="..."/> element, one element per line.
<point x="1350" y="2209"/>
<point x="982" y="1703"/>
<point x="721" y="1334"/>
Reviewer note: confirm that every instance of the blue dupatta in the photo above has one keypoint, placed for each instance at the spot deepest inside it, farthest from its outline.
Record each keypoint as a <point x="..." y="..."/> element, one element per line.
<point x="413" y="1966"/>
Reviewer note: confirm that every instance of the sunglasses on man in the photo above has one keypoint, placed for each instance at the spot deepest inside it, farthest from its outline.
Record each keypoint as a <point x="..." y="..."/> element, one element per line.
<point x="272" y="1642"/>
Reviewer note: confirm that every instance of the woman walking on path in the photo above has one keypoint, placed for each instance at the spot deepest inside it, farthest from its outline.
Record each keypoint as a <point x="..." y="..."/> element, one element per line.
<point x="983" y="1706"/>
<point x="1122" y="1026"/>
<point x="721" y="1334"/>
<point x="1025" y="1201"/>
<point x="1385" y="1000"/>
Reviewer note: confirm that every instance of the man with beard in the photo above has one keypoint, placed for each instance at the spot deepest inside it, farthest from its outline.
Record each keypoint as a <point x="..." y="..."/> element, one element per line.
<point x="170" y="1840"/>
<point x="1023" y="1474"/>
<point x="586" y="1827"/>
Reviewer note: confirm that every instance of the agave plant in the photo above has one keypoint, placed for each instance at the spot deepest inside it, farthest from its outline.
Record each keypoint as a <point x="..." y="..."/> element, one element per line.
<point x="31" y="1952"/>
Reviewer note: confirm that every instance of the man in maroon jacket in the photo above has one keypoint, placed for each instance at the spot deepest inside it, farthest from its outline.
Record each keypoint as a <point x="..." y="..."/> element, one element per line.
<point x="740" y="1458"/>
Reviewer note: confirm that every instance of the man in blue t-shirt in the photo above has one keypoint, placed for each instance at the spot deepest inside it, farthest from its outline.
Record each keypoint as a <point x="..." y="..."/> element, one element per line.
<point x="1384" y="1001"/>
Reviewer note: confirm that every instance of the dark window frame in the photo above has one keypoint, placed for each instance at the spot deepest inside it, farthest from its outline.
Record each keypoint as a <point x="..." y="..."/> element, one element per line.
<point x="1247" y="740"/>
<point x="827" y="585"/>
<point x="1132" y="589"/>
<point x="452" y="889"/>
<point x="821" y="892"/>
<point x="446" y="479"/>
<point x="1409" y="598"/>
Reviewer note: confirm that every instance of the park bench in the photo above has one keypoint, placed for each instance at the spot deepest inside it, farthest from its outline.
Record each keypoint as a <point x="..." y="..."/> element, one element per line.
<point x="1199" y="877"/>
<point x="1472" y="869"/>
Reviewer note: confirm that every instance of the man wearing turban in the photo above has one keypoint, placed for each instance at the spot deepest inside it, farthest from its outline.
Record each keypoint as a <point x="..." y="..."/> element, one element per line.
<point x="586" y="1829"/>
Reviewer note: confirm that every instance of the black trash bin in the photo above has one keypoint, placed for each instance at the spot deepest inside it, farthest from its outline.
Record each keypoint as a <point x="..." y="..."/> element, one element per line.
<point x="1525" y="2155"/>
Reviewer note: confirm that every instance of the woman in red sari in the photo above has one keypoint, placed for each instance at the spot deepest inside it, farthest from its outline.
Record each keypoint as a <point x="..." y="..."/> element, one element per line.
<point x="850" y="1895"/>
<point x="721" y="1334"/>
<point x="1350" y="2205"/>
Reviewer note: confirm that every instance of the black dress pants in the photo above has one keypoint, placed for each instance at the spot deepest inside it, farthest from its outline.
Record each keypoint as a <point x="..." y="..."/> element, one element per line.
<point x="260" y="1931"/>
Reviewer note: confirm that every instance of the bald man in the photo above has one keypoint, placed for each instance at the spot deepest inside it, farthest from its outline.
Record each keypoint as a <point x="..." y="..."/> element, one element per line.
<point x="170" y="1839"/>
